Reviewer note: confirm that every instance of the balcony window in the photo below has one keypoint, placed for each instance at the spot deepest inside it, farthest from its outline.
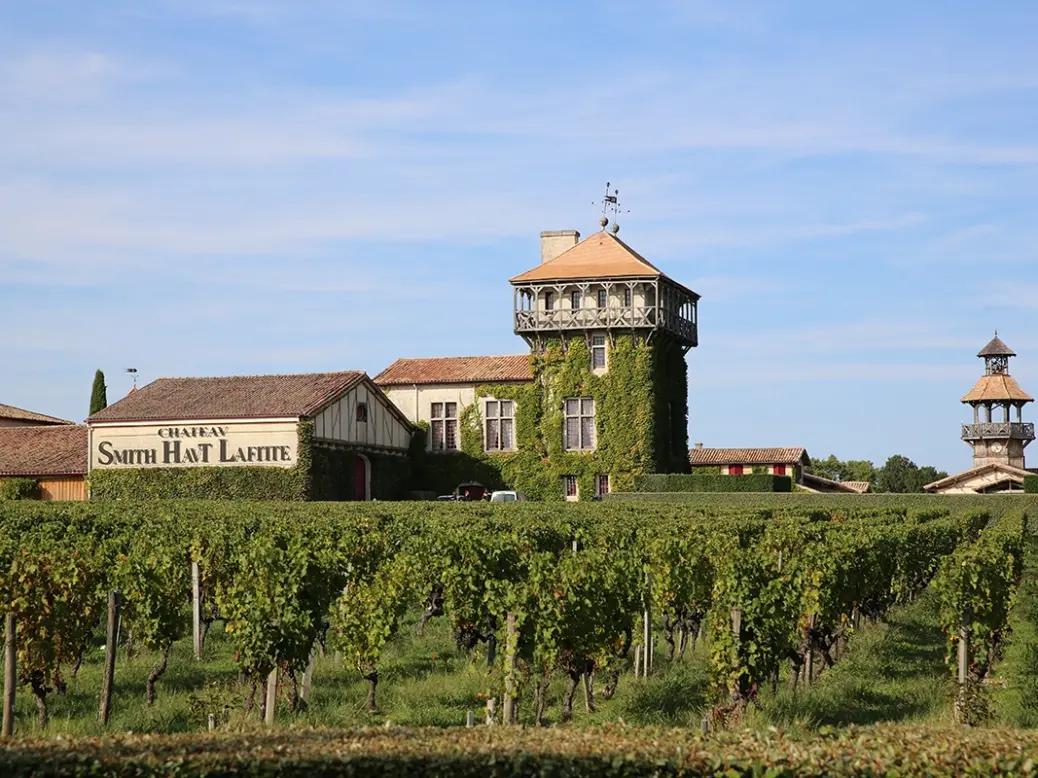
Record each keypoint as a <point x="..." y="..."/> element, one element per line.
<point x="499" y="423"/>
<point x="443" y="426"/>
<point x="574" y="300"/>
<point x="579" y="430"/>
<point x="627" y="297"/>
<point x="549" y="301"/>
<point x="602" y="298"/>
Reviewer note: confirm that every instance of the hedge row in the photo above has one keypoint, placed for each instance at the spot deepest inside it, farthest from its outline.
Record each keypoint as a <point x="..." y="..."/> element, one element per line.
<point x="1031" y="484"/>
<point x="611" y="751"/>
<point x="682" y="482"/>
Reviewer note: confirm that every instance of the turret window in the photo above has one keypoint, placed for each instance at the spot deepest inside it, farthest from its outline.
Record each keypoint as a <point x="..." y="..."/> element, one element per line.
<point x="602" y="298"/>
<point x="627" y="297"/>
<point x="443" y="426"/>
<point x="499" y="425"/>
<point x="579" y="431"/>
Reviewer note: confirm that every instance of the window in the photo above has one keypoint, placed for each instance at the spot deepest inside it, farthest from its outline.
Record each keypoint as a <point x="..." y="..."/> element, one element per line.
<point x="627" y="297"/>
<point x="362" y="411"/>
<point x="598" y="352"/>
<point x="500" y="424"/>
<point x="579" y="431"/>
<point x="601" y="298"/>
<point x="569" y="487"/>
<point x="780" y="469"/>
<point x="444" y="427"/>
<point x="574" y="300"/>
<point x="549" y="301"/>
<point x="601" y="485"/>
<point x="734" y="469"/>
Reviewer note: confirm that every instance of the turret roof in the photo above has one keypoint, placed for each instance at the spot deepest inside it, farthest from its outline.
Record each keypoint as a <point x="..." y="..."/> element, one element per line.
<point x="996" y="348"/>
<point x="997" y="387"/>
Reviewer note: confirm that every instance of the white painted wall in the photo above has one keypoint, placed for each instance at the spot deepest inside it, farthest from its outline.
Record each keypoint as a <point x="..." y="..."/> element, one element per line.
<point x="415" y="402"/>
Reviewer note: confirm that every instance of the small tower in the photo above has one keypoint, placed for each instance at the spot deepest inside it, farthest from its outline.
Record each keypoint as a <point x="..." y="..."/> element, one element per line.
<point x="999" y="441"/>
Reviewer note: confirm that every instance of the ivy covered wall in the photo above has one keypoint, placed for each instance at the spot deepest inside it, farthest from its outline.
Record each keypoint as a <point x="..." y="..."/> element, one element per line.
<point x="641" y="417"/>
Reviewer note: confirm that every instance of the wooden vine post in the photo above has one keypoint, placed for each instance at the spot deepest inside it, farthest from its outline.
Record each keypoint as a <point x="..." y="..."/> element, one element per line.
<point x="964" y="654"/>
<point x="736" y="636"/>
<point x="10" y="672"/>
<point x="647" y="636"/>
<point x="196" y="610"/>
<point x="111" y="644"/>
<point x="308" y="679"/>
<point x="809" y="665"/>
<point x="510" y="714"/>
<point x="272" y="697"/>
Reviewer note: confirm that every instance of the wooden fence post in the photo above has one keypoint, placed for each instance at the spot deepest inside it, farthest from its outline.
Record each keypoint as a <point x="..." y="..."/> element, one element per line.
<point x="272" y="696"/>
<point x="196" y="610"/>
<point x="10" y="672"/>
<point x="111" y="644"/>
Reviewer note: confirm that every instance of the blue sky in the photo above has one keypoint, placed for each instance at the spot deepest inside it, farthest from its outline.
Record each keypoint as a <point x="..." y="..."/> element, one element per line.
<point x="207" y="187"/>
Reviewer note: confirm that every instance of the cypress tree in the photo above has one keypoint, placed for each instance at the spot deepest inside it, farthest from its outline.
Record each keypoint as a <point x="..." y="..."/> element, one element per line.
<point x="99" y="395"/>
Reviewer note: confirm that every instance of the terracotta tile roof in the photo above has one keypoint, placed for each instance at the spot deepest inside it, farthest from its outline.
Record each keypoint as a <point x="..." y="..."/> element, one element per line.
<point x="59" y="449"/>
<point x="600" y="255"/>
<point x="996" y="348"/>
<point x="457" y="370"/>
<point x="997" y="387"/>
<point x="700" y="457"/>
<point x="18" y="414"/>
<point x="231" y="397"/>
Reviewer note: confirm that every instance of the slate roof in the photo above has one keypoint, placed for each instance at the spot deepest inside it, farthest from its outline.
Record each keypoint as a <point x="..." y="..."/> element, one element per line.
<point x="59" y="449"/>
<point x="996" y="348"/>
<point x="231" y="397"/>
<point x="700" y="457"/>
<point x="996" y="387"/>
<point x="30" y="417"/>
<point x="457" y="370"/>
<point x="600" y="255"/>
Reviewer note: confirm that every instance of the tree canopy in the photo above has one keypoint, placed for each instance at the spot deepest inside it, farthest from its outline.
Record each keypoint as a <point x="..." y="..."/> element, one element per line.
<point x="899" y="474"/>
<point x="99" y="394"/>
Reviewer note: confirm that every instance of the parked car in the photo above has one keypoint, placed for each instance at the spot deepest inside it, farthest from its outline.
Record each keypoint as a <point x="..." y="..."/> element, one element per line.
<point x="508" y="495"/>
<point x="473" y="491"/>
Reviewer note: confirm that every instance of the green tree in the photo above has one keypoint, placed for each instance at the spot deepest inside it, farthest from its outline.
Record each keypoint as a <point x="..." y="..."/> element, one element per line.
<point x="900" y="475"/>
<point x="837" y="470"/>
<point x="99" y="394"/>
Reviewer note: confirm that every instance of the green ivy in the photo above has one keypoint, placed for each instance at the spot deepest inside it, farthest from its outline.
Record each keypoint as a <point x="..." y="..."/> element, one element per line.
<point x="641" y="410"/>
<point x="1031" y="484"/>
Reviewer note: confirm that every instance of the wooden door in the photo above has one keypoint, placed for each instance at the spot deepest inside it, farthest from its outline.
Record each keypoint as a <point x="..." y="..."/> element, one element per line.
<point x="360" y="478"/>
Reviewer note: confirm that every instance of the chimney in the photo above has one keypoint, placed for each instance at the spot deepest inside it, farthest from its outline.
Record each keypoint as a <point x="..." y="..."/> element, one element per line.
<point x="554" y="242"/>
<point x="699" y="445"/>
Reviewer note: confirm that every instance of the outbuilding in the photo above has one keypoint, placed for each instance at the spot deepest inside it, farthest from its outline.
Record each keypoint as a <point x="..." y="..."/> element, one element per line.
<point x="53" y="456"/>
<point x="317" y="436"/>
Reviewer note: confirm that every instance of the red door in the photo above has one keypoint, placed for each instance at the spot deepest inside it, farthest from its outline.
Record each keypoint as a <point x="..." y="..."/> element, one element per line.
<point x="360" y="478"/>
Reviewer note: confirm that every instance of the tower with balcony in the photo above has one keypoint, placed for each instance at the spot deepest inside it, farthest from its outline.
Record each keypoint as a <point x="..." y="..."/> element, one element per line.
<point x="998" y="433"/>
<point x="625" y="328"/>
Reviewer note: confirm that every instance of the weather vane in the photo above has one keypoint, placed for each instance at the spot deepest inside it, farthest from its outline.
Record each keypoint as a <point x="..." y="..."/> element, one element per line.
<point x="133" y="372"/>
<point x="611" y="207"/>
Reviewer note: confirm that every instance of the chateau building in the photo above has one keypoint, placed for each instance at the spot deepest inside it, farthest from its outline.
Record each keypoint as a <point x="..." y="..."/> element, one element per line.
<point x="601" y="395"/>
<point x="998" y="434"/>
<point x="327" y="436"/>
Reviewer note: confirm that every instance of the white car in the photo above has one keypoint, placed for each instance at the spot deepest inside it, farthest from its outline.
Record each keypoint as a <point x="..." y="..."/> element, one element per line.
<point x="508" y="496"/>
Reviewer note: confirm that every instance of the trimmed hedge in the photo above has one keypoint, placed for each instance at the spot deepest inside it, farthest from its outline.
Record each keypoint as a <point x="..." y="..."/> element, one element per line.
<point x="1031" y="484"/>
<point x="680" y="482"/>
<point x="610" y="751"/>
<point x="19" y="489"/>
